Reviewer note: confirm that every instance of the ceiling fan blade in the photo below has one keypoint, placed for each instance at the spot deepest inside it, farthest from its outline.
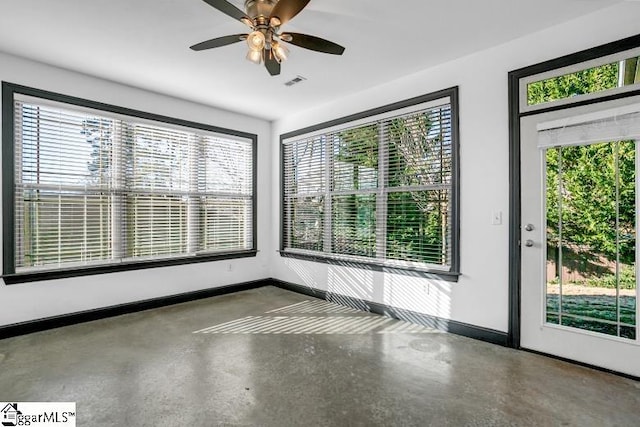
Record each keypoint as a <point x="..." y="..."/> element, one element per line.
<point x="285" y="10"/>
<point x="218" y="42"/>
<point x="272" y="66"/>
<point x="313" y="43"/>
<point x="227" y="8"/>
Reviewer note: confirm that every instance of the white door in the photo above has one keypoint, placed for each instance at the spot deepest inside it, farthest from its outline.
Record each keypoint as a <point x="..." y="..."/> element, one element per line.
<point x="578" y="238"/>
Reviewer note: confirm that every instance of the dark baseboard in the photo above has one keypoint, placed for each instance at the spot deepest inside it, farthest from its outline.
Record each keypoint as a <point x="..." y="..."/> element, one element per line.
<point x="24" y="328"/>
<point x="451" y="326"/>
<point x="458" y="328"/>
<point x="446" y="325"/>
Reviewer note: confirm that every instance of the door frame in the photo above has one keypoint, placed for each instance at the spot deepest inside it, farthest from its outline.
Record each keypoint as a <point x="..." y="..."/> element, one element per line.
<point x="515" y="114"/>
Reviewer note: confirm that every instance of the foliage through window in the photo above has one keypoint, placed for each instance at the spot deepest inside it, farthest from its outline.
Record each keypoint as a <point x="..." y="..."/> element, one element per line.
<point x="590" y="204"/>
<point x="591" y="80"/>
<point x="380" y="190"/>
<point x="93" y="188"/>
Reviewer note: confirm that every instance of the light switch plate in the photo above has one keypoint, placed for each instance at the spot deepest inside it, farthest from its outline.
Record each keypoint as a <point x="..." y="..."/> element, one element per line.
<point x="496" y="218"/>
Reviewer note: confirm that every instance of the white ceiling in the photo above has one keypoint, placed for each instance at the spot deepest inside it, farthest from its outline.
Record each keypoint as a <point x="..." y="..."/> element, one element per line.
<point x="145" y="43"/>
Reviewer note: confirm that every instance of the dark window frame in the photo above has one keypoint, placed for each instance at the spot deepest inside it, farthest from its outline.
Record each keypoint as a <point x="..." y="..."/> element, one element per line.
<point x="453" y="273"/>
<point x="9" y="90"/>
<point x="515" y="114"/>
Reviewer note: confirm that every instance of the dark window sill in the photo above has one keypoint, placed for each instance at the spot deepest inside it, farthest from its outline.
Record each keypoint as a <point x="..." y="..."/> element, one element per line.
<point x="33" y="276"/>
<point x="376" y="266"/>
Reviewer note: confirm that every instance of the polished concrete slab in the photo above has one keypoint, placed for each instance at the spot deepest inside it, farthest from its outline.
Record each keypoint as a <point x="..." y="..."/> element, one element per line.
<point x="269" y="357"/>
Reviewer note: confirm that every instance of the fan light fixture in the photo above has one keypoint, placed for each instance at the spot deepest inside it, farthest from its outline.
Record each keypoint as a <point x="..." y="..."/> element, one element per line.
<point x="256" y="41"/>
<point x="254" y="56"/>
<point x="265" y="41"/>
<point x="280" y="51"/>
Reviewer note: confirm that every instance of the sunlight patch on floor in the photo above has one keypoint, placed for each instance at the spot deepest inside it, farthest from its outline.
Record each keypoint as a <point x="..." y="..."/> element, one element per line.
<point x="315" y="317"/>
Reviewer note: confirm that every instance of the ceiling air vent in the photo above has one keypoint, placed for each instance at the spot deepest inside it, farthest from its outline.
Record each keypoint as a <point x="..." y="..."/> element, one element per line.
<point x="298" y="79"/>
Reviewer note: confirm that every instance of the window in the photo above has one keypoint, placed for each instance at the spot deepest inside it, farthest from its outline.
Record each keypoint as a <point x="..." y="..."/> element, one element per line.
<point x="378" y="188"/>
<point x="591" y="80"/>
<point x="604" y="76"/>
<point x="92" y="187"/>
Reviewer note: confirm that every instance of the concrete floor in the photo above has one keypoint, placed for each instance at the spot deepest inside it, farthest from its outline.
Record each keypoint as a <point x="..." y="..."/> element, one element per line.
<point x="269" y="357"/>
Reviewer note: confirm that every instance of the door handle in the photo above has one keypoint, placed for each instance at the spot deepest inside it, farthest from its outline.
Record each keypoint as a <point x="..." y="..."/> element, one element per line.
<point x="528" y="243"/>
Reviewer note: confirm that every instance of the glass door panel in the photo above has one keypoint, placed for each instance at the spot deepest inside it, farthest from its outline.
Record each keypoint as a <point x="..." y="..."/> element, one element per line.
<point x="590" y="235"/>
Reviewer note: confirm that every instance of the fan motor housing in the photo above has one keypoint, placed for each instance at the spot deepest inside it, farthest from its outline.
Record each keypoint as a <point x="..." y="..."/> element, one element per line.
<point x="257" y="8"/>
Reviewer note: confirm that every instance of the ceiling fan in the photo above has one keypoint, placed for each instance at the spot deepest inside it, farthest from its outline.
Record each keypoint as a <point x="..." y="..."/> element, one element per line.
<point x="266" y="42"/>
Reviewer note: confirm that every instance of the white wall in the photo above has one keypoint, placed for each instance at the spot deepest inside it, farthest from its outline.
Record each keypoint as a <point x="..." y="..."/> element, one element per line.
<point x="481" y="296"/>
<point x="29" y="301"/>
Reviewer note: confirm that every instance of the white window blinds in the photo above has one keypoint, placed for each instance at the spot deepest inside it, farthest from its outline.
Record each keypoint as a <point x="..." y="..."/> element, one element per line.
<point x="379" y="190"/>
<point x="98" y="188"/>
<point x="617" y="124"/>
